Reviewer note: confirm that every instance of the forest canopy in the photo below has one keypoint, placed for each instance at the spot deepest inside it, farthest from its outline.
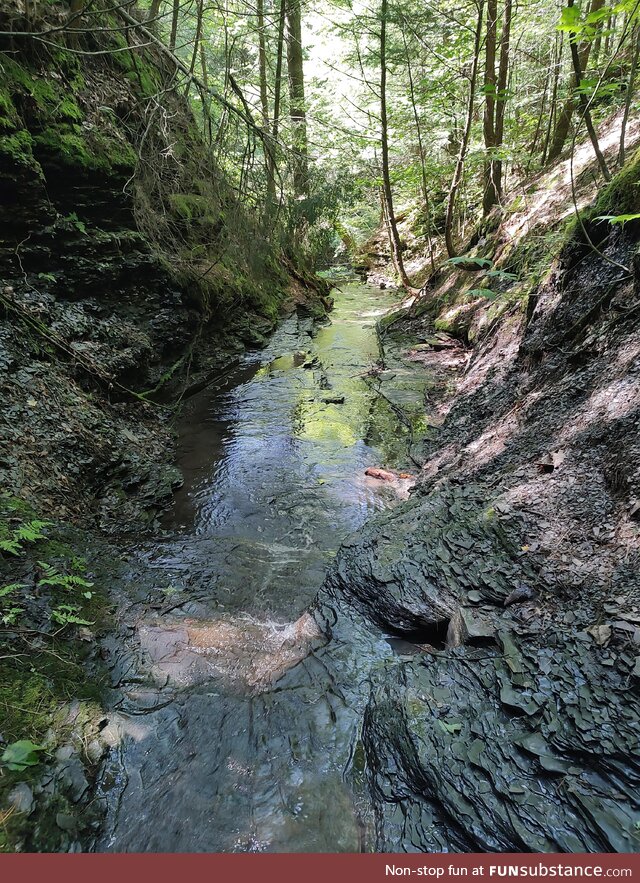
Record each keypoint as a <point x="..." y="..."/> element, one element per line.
<point x="335" y="117"/>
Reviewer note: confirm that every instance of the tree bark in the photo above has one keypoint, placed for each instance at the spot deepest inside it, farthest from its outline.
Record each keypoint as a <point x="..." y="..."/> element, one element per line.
<point x="584" y="106"/>
<point x="635" y="51"/>
<point x="197" y="38"/>
<point x="277" y="95"/>
<point x="489" y="196"/>
<point x="423" y="171"/>
<point x="501" y="98"/>
<point x="296" y="98"/>
<point x="394" y="236"/>
<point x="554" y="97"/>
<point x="563" y="123"/>
<point x="262" y="65"/>
<point x="457" y="175"/>
<point x="154" y="11"/>
<point x="174" y="25"/>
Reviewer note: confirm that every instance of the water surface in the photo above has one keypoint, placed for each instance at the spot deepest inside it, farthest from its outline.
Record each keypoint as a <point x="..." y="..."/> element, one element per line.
<point x="237" y="724"/>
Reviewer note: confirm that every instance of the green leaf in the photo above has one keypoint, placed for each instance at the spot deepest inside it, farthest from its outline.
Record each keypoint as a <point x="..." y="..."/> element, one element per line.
<point x="10" y="616"/>
<point x="67" y="614"/>
<point x="12" y="547"/>
<point x="53" y="577"/>
<point x="31" y="531"/>
<point x="20" y="755"/>
<point x="479" y="262"/>
<point x="570" y="20"/>
<point x="618" y="219"/>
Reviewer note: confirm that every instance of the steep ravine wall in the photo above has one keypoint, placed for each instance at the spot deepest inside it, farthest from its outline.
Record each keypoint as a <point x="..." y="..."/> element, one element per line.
<point x="127" y="264"/>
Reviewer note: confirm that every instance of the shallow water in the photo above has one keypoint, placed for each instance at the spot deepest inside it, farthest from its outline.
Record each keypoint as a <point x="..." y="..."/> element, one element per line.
<point x="236" y="723"/>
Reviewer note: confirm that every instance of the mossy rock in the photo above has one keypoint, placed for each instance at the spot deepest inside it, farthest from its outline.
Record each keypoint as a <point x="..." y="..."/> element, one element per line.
<point x="69" y="145"/>
<point x="621" y="196"/>
<point x="18" y="149"/>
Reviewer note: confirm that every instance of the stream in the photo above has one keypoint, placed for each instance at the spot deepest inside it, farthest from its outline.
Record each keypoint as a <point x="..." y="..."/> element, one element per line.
<point x="235" y="723"/>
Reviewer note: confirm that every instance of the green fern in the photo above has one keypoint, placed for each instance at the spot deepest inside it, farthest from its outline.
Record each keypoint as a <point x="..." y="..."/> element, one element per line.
<point x="10" y="615"/>
<point x="69" y="581"/>
<point x="11" y="546"/>
<point x="67" y="614"/>
<point x="30" y="531"/>
<point x="7" y="590"/>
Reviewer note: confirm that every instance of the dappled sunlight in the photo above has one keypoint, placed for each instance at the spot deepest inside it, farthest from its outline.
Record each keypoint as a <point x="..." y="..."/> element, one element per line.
<point x="553" y="200"/>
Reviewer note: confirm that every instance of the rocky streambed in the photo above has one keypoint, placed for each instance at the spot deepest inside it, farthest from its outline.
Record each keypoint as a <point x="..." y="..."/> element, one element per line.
<point x="426" y="694"/>
<point x="230" y="706"/>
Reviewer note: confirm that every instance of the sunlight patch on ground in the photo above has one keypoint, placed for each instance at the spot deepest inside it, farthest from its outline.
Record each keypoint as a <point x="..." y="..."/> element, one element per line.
<point x="553" y="198"/>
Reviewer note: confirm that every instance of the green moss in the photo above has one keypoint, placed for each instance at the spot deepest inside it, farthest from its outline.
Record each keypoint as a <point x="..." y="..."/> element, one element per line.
<point x="621" y="195"/>
<point x="69" y="144"/>
<point x="69" y="110"/>
<point x="18" y="147"/>
<point x="190" y="205"/>
<point x="9" y="119"/>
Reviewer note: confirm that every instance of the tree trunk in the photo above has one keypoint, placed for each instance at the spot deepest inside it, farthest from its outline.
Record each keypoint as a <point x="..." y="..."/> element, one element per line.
<point x="174" y="25"/>
<point x="501" y="97"/>
<point x="154" y="11"/>
<point x="196" y="40"/>
<point x="536" y="135"/>
<point x="584" y="106"/>
<point x="262" y="65"/>
<point x="457" y="175"/>
<point x="564" y="119"/>
<point x="635" y="51"/>
<point x="394" y="236"/>
<point x="277" y="94"/>
<point x="423" y="171"/>
<point x="296" y="98"/>
<point x="554" y="97"/>
<point x="489" y="196"/>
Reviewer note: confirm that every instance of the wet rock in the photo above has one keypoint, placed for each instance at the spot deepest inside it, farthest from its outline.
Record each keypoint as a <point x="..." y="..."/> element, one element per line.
<point x="71" y="778"/>
<point x="412" y="567"/>
<point x="472" y="747"/>
<point x="66" y="822"/>
<point x="21" y="798"/>
<point x="95" y="750"/>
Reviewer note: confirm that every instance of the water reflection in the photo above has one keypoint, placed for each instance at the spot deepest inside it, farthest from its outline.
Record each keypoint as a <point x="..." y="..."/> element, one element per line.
<point x="252" y="749"/>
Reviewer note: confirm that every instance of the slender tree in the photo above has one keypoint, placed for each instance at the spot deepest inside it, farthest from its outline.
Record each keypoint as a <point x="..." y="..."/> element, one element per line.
<point x="464" y="142"/>
<point x="635" y="51"/>
<point x="297" y="109"/>
<point x="394" y="236"/>
<point x="584" y="105"/>
<point x="563" y="122"/>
